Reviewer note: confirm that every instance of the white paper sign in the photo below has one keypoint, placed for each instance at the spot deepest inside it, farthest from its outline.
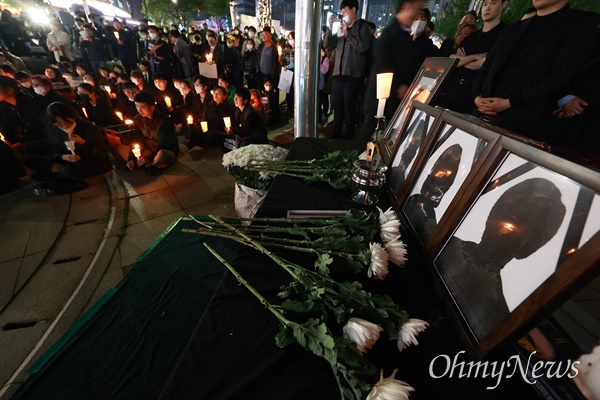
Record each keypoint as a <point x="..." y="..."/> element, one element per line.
<point x="285" y="80"/>
<point x="208" y="70"/>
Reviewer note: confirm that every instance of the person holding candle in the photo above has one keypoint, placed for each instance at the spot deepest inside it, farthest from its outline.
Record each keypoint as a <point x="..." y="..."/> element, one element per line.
<point x="164" y="88"/>
<point x="214" y="114"/>
<point x="98" y="110"/>
<point x="202" y="97"/>
<point x="125" y="45"/>
<point x="125" y="104"/>
<point x="246" y="122"/>
<point x="89" y="157"/>
<point x="154" y="131"/>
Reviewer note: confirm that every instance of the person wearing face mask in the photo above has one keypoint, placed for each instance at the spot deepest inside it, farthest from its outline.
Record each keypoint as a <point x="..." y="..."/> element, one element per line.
<point x="233" y="62"/>
<point x="196" y="45"/>
<point x="405" y="61"/>
<point x="181" y="112"/>
<point x="352" y="44"/>
<point x="184" y="54"/>
<point x="98" y="110"/>
<point x="88" y="156"/>
<point x="45" y="95"/>
<point x="249" y="63"/>
<point x="201" y="98"/>
<point x="159" y="54"/>
<point x="24" y="79"/>
<point x="212" y="47"/>
<point x="287" y="62"/>
<point x="125" y="44"/>
<point x="214" y="112"/>
<point x="92" y="49"/>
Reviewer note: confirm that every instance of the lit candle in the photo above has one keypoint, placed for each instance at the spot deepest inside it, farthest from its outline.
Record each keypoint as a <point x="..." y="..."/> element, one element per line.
<point x="384" y="85"/>
<point x="107" y="88"/>
<point x="168" y="101"/>
<point x="117" y="35"/>
<point x="128" y="121"/>
<point x="380" y="108"/>
<point x="84" y="112"/>
<point x="120" y="115"/>
<point x="227" y="121"/>
<point x="190" y="120"/>
<point x="204" y="126"/>
<point x="70" y="145"/>
<point x="3" y="138"/>
<point x="136" y="151"/>
<point x="279" y="50"/>
<point x="209" y="57"/>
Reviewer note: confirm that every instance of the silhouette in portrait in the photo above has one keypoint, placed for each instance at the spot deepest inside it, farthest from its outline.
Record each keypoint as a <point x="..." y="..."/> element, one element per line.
<point x="398" y="174"/>
<point x="420" y="207"/>
<point x="523" y="219"/>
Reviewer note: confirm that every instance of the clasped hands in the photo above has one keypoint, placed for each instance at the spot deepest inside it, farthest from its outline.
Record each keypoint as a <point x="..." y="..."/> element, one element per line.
<point x="491" y="105"/>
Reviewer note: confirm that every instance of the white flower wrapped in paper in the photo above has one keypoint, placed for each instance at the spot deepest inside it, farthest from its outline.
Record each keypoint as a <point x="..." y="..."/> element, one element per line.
<point x="408" y="333"/>
<point x="363" y="333"/>
<point x="397" y="251"/>
<point x="390" y="388"/>
<point x="379" y="261"/>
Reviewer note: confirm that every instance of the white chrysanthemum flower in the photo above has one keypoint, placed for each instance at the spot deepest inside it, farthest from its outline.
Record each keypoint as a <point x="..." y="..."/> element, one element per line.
<point x="244" y="155"/>
<point x="363" y="333"/>
<point x="390" y="230"/>
<point x="379" y="261"/>
<point x="390" y="388"/>
<point x="386" y="216"/>
<point x="408" y="333"/>
<point x="397" y="251"/>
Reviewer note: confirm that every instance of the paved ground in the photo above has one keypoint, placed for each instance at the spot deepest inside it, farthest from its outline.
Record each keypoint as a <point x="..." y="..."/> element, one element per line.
<point x="60" y="254"/>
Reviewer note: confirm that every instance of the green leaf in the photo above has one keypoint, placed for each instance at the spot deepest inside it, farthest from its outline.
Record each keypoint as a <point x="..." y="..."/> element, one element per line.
<point x="322" y="263"/>
<point x="298" y="306"/>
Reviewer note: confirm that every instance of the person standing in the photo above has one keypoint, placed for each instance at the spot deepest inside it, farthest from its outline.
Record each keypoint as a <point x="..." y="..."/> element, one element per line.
<point x="530" y="61"/>
<point x="457" y="93"/>
<point x="287" y="62"/>
<point x="183" y="53"/>
<point x="352" y="45"/>
<point x="59" y="43"/>
<point x="267" y="70"/>
<point x="125" y="46"/>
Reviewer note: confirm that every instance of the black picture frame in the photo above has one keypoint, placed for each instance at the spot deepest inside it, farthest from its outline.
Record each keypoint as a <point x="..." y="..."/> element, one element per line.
<point x="457" y="150"/>
<point x="520" y="242"/>
<point x="424" y="87"/>
<point x="421" y="122"/>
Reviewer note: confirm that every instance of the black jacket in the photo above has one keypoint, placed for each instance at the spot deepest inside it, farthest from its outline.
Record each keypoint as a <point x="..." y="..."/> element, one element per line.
<point x="249" y="124"/>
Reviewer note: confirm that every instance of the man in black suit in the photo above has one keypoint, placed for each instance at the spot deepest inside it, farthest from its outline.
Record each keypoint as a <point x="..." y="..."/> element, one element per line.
<point x="532" y="60"/>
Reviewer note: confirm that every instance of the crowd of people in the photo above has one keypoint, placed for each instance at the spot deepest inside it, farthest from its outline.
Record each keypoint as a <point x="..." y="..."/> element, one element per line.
<point x="535" y="78"/>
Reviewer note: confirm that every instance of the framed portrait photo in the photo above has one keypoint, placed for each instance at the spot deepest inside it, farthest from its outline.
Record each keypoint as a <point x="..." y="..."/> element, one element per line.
<point x="530" y="236"/>
<point x="457" y="151"/>
<point x="422" y="120"/>
<point x="423" y="88"/>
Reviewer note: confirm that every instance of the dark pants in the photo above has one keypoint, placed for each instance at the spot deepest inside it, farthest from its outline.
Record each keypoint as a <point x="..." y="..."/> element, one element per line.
<point x="323" y="104"/>
<point x="344" y="97"/>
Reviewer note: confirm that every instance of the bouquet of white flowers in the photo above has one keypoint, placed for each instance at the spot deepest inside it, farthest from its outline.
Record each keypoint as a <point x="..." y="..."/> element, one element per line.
<point x="237" y="160"/>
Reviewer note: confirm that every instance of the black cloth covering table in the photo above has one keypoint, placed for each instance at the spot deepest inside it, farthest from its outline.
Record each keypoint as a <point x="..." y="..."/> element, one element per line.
<point x="232" y="354"/>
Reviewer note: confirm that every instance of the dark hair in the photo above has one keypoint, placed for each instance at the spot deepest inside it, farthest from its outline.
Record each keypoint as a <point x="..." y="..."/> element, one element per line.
<point x="224" y="77"/>
<point x="174" y="33"/>
<point x="203" y="80"/>
<point x="124" y="76"/>
<point x="431" y="26"/>
<point x="349" y="4"/>
<point x="222" y="90"/>
<point x="401" y="3"/>
<point x="427" y="14"/>
<point x="43" y="79"/>
<point x="136" y="73"/>
<point x="87" y="87"/>
<point x="187" y="83"/>
<point x="119" y="67"/>
<point x="7" y="68"/>
<point x="144" y="97"/>
<point x="21" y="75"/>
<point x="128" y="85"/>
<point x="293" y="33"/>
<point x="159" y="77"/>
<point x="62" y="110"/>
<point x="243" y="92"/>
<point x="144" y="20"/>
<point x="103" y="68"/>
<point x="472" y="12"/>
<point x="372" y="25"/>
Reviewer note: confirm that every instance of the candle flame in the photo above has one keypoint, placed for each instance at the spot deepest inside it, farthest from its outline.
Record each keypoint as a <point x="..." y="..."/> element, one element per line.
<point x="128" y="121"/>
<point x="137" y="146"/>
<point x="571" y="251"/>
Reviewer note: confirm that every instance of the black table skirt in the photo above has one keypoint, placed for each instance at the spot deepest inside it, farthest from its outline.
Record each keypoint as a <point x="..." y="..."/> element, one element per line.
<point x="232" y="354"/>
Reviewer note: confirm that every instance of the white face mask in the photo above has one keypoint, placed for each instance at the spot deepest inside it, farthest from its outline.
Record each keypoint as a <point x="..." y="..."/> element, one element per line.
<point x="291" y="42"/>
<point x="250" y="34"/>
<point x="26" y="84"/>
<point x="144" y="37"/>
<point x="198" y="89"/>
<point x="230" y="45"/>
<point x="250" y="47"/>
<point x="346" y="19"/>
<point x="267" y="88"/>
<point x="417" y="27"/>
<point x="39" y="90"/>
<point x="153" y="36"/>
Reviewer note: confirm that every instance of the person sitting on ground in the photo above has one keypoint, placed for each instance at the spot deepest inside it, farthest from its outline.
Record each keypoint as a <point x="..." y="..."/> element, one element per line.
<point x="224" y="83"/>
<point x="155" y="135"/>
<point x="257" y="104"/>
<point x="202" y="97"/>
<point x="164" y="88"/>
<point x="97" y="109"/>
<point x="75" y="148"/>
<point x="247" y="123"/>
<point x="126" y="104"/>
<point x="214" y="115"/>
<point x="24" y="79"/>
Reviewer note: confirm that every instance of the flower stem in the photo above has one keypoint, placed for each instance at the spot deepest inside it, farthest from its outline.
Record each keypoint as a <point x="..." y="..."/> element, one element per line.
<point x="244" y="282"/>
